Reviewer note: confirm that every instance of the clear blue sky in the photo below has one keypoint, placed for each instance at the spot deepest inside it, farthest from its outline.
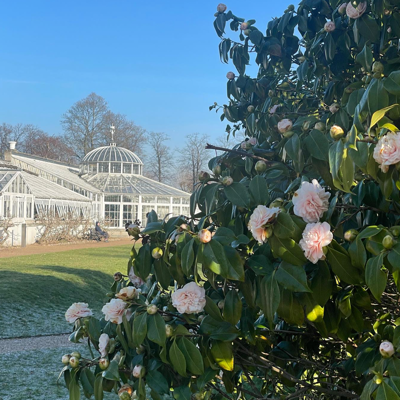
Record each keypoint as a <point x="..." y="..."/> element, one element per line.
<point x="155" y="61"/>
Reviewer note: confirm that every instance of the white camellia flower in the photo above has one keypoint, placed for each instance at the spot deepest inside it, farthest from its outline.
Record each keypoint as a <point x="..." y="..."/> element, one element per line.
<point x="285" y="125"/>
<point x="387" y="151"/>
<point x="386" y="349"/>
<point x="128" y="293"/>
<point x="262" y="215"/>
<point x="356" y="12"/>
<point x="114" y="310"/>
<point x="77" y="310"/>
<point x="190" y="299"/>
<point x="310" y="201"/>
<point x="315" y="238"/>
<point x="329" y="26"/>
<point x="103" y="343"/>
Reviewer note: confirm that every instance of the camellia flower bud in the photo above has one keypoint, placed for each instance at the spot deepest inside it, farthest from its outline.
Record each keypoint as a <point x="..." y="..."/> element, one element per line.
<point x="253" y="141"/>
<point x="387" y="242"/>
<point x="205" y="236"/>
<point x="157" y="253"/>
<point x="230" y="75"/>
<point x="103" y="363"/>
<point x="76" y="354"/>
<point x="65" y="359"/>
<point x="244" y="26"/>
<point x="245" y="145"/>
<point x="140" y="349"/>
<point x="138" y="371"/>
<point x="217" y="170"/>
<point x="125" y="392"/>
<point x="221" y="304"/>
<point x="285" y="125"/>
<point x="74" y="362"/>
<point x="204" y="176"/>
<point x="386" y="349"/>
<point x="152" y="309"/>
<point x="291" y="7"/>
<point x="260" y="166"/>
<point x="221" y="7"/>
<point x="124" y="396"/>
<point x="227" y="180"/>
<point x="250" y="109"/>
<point x="356" y="12"/>
<point x="389" y="30"/>
<point x="334" y="108"/>
<point x="342" y="9"/>
<point x="117" y="276"/>
<point x="320" y="126"/>
<point x="329" y="26"/>
<point x="306" y="126"/>
<point x="182" y="228"/>
<point x="377" y="66"/>
<point x="169" y="330"/>
<point x="350" y="235"/>
<point x="336" y="132"/>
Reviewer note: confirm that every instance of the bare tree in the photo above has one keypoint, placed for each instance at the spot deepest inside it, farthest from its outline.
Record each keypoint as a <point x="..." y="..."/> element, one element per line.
<point x="127" y="133"/>
<point x="19" y="133"/>
<point x="53" y="147"/>
<point x="85" y="124"/>
<point x="195" y="160"/>
<point x="159" y="160"/>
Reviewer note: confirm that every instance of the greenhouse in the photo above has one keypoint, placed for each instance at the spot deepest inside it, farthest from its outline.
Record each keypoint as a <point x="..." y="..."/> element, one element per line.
<point x="108" y="186"/>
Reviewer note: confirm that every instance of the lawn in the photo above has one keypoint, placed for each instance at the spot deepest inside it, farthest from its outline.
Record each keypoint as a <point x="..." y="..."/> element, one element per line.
<point x="35" y="291"/>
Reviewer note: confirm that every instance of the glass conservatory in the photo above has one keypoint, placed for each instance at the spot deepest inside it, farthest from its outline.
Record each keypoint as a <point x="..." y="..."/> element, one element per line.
<point x="128" y="195"/>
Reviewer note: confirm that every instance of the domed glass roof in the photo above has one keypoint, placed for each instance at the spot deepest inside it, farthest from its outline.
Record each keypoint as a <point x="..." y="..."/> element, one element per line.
<point x="111" y="154"/>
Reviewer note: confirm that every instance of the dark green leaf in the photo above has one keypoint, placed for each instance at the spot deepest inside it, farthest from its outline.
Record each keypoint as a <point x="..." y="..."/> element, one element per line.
<point x="177" y="359"/>
<point x="156" y="329"/>
<point x="375" y="278"/>
<point x="237" y="194"/>
<point x="292" y="277"/>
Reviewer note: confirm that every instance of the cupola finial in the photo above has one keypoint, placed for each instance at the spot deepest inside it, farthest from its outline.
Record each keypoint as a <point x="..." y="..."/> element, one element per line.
<point x="112" y="130"/>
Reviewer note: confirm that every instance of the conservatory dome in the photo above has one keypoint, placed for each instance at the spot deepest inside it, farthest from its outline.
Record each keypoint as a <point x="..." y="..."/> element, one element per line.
<point x="112" y="160"/>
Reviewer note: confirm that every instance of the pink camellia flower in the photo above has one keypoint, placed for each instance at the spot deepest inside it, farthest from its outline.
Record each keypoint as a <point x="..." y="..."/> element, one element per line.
<point x="135" y="280"/>
<point x="114" y="310"/>
<point x="205" y="236"/>
<point x="76" y="311"/>
<point x="244" y="26"/>
<point x="190" y="299"/>
<point x="387" y="151"/>
<point x="137" y="371"/>
<point x="315" y="237"/>
<point x="262" y="216"/>
<point x="221" y="7"/>
<point x="274" y="108"/>
<point x="310" y="201"/>
<point x="253" y="141"/>
<point x="103" y="343"/>
<point x="342" y="9"/>
<point x="128" y="293"/>
<point x="230" y="75"/>
<point x="356" y="12"/>
<point x="285" y="125"/>
<point x="329" y="26"/>
<point x="386" y="349"/>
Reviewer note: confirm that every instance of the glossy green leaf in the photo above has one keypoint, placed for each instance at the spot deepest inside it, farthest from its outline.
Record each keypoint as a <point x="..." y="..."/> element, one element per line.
<point x="292" y="277"/>
<point x="269" y="297"/>
<point x="157" y="382"/>
<point x="214" y="258"/>
<point x="187" y="258"/>
<point x="342" y="267"/>
<point x="375" y="278"/>
<point x="232" y="307"/>
<point x="288" y="250"/>
<point x="259" y="190"/>
<point x="223" y="355"/>
<point x="139" y="330"/>
<point x="193" y="357"/>
<point x="284" y="226"/>
<point x="317" y="145"/>
<point x="156" y="329"/>
<point x="237" y="194"/>
<point x="177" y="359"/>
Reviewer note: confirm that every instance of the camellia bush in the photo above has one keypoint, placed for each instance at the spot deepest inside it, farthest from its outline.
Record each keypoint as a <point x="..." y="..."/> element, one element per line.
<point x="283" y="282"/>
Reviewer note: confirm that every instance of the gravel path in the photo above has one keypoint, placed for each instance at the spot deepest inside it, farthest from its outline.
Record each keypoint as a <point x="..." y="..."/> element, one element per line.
<point x="34" y="343"/>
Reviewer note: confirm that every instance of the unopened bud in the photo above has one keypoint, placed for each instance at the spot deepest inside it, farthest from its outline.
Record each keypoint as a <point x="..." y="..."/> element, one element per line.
<point x="125" y="389"/>
<point x="350" y="235"/>
<point x="138" y="371"/>
<point x="334" y="108"/>
<point x="74" y="362"/>
<point x="221" y="304"/>
<point x="140" y="349"/>
<point x="244" y="26"/>
<point x="221" y="7"/>
<point x="227" y="181"/>
<point x="204" y="176"/>
<point x="377" y="66"/>
<point x="387" y="242"/>
<point x="306" y="125"/>
<point x="152" y="309"/>
<point x="291" y="7"/>
<point x="117" y="276"/>
<point x="320" y="126"/>
<point x="250" y="109"/>
<point x="217" y="170"/>
<point x="157" y="253"/>
<point x="230" y="75"/>
<point x="76" y="354"/>
<point x="103" y="363"/>
<point x="386" y="349"/>
<point x="65" y="359"/>
<point x="336" y="132"/>
<point x="169" y="330"/>
<point x="395" y="231"/>
<point x="205" y="236"/>
<point x="285" y="125"/>
<point x="261" y="166"/>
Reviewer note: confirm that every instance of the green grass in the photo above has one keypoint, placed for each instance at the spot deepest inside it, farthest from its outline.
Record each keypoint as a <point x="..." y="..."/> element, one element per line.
<point x="35" y="291"/>
<point x="32" y="375"/>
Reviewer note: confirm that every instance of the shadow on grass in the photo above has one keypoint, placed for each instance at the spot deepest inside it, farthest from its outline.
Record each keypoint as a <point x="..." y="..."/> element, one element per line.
<point x="35" y="304"/>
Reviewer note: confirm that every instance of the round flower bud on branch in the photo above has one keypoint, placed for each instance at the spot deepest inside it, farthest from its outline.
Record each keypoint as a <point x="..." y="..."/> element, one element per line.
<point x="65" y="359"/>
<point x="205" y="236"/>
<point x="336" y="132"/>
<point x="230" y="76"/>
<point x="157" y="253"/>
<point x="244" y="26"/>
<point x="227" y="181"/>
<point x="261" y="166"/>
<point x="285" y="125"/>
<point x="221" y="8"/>
<point x="152" y="309"/>
<point x="329" y="26"/>
<point x="204" y="176"/>
<point x="103" y="363"/>
<point x="387" y="242"/>
<point x="350" y="235"/>
<point x="334" y="108"/>
<point x="386" y="349"/>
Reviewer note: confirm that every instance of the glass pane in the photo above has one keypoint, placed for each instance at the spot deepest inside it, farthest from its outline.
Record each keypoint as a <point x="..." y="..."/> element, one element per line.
<point x="112" y="198"/>
<point x="103" y="167"/>
<point x="115" y="168"/>
<point x="164" y="200"/>
<point x="148" y="199"/>
<point x="130" y="199"/>
<point x="127" y="168"/>
<point x="176" y="210"/>
<point x="185" y="200"/>
<point x="176" y="200"/>
<point x="111" y="214"/>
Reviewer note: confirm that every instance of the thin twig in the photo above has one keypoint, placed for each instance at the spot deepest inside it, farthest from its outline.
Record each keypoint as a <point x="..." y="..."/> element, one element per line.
<point x="238" y="152"/>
